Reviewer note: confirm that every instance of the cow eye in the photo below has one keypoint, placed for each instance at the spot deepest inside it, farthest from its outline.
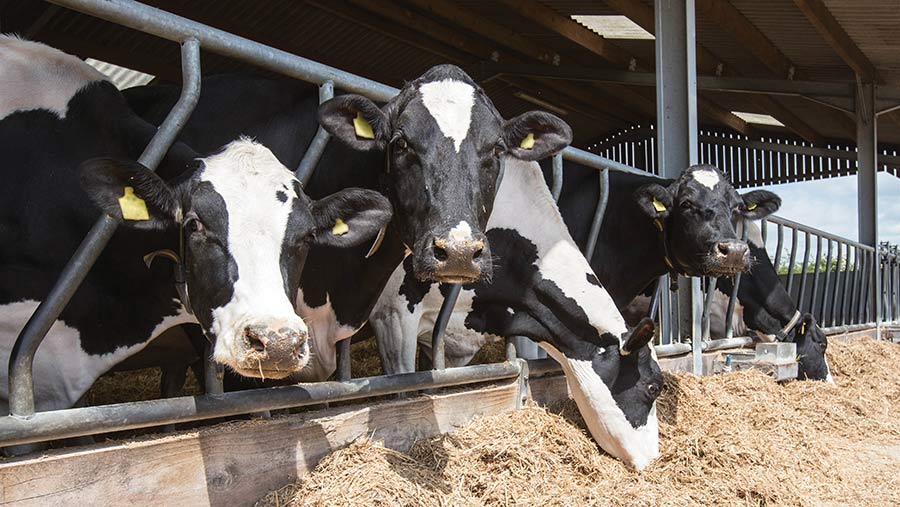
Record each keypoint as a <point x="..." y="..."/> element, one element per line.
<point x="653" y="389"/>
<point x="687" y="204"/>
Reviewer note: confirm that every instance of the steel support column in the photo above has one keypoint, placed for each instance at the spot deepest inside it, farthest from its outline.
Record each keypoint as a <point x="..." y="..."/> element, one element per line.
<point x="867" y="178"/>
<point x="676" y="119"/>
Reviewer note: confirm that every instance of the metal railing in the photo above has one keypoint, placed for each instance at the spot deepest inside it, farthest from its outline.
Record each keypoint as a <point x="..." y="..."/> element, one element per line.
<point x="763" y="160"/>
<point x="24" y="425"/>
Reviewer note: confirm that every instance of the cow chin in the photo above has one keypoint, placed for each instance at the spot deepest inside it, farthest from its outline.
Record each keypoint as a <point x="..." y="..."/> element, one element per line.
<point x="636" y="447"/>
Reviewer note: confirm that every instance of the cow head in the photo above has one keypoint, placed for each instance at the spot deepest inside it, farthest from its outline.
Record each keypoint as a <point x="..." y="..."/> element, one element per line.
<point x="615" y="384"/>
<point x="696" y="216"/>
<point x="443" y="142"/>
<point x="246" y="226"/>
<point x="811" y="345"/>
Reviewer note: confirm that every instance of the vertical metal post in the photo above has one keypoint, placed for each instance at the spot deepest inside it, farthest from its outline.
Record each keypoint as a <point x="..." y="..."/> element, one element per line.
<point x="556" y="189"/>
<point x="320" y="141"/>
<point x="213" y="374"/>
<point x="21" y="359"/>
<point x="867" y="178"/>
<point x="676" y="121"/>
<point x="343" y="360"/>
<point x="440" y="325"/>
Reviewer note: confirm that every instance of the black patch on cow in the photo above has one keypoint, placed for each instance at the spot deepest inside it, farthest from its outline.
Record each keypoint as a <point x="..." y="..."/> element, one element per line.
<point x="592" y="279"/>
<point x="413" y="289"/>
<point x="281" y="196"/>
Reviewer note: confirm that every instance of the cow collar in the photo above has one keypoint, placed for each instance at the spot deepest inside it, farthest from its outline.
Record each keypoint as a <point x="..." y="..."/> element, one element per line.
<point x="661" y="226"/>
<point x="782" y="335"/>
<point x="180" y="269"/>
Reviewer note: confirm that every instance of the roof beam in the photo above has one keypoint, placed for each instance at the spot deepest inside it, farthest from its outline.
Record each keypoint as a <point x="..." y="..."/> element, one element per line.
<point x="573" y="31"/>
<point x="598" y="105"/>
<point x="732" y="21"/>
<point x="830" y="30"/>
<point x="709" y="63"/>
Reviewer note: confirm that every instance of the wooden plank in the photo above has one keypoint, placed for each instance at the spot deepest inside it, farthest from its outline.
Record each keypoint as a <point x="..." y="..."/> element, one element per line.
<point x="836" y="37"/>
<point x="233" y="464"/>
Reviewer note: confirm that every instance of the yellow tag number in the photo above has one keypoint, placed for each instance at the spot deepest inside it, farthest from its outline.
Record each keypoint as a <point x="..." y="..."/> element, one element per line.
<point x="751" y="207"/>
<point x="133" y="207"/>
<point x="340" y="228"/>
<point x="528" y="142"/>
<point x="362" y="127"/>
<point x="658" y="206"/>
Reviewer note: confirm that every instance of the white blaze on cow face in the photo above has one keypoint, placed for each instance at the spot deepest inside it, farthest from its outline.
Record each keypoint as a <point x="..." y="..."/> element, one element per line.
<point x="461" y="233"/>
<point x="605" y="420"/>
<point x="23" y="63"/>
<point x="245" y="174"/>
<point x="707" y="178"/>
<point x="450" y="103"/>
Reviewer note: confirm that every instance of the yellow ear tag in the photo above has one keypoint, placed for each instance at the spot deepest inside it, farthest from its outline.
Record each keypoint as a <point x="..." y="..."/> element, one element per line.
<point x="528" y="142"/>
<point x="658" y="206"/>
<point x="133" y="207"/>
<point x="751" y="207"/>
<point x="803" y="328"/>
<point x="340" y="228"/>
<point x="363" y="128"/>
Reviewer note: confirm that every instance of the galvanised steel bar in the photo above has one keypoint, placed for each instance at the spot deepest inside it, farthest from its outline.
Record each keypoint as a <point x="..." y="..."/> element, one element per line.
<point x="21" y="383"/>
<point x="813" y="230"/>
<point x="778" y="246"/>
<point x="732" y="298"/>
<point x="125" y="416"/>
<point x="854" y="288"/>
<point x="815" y="285"/>
<point x="320" y="140"/>
<point x="764" y="230"/>
<point x="707" y="305"/>
<point x="343" y="359"/>
<point x="795" y="238"/>
<point x="166" y="25"/>
<point x="598" y="215"/>
<point x="556" y="189"/>
<point x="845" y="305"/>
<point x="213" y="374"/>
<point x="823" y="316"/>
<point x="862" y="299"/>
<point x="440" y="325"/>
<point x="867" y="160"/>
<point x="803" y="270"/>
<point x="833" y="314"/>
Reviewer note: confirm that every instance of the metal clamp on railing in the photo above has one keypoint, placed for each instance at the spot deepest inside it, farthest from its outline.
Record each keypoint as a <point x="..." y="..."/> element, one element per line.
<point x="21" y="381"/>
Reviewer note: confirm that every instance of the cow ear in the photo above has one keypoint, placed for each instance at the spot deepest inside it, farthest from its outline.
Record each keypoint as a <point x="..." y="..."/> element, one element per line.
<point x="350" y="217"/>
<point x="356" y="121"/>
<point x="654" y="200"/>
<point x="129" y="192"/>
<point x="760" y="204"/>
<point x="639" y="336"/>
<point x="536" y="135"/>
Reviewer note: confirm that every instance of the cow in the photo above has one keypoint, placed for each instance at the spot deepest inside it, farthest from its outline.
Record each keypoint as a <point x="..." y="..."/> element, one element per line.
<point x="550" y="294"/>
<point x="236" y="223"/>
<point x="763" y="309"/>
<point x="652" y="226"/>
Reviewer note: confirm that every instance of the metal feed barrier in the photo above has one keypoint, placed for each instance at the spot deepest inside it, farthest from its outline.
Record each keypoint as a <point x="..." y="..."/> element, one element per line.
<point x="24" y="425"/>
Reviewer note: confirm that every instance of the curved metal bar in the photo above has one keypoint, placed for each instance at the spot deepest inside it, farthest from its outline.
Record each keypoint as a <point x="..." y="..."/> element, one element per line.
<point x="598" y="215"/>
<point x="795" y="238"/>
<point x="803" y="269"/>
<point x="317" y="146"/>
<point x="21" y="382"/>
<point x="824" y="306"/>
<point x="837" y="285"/>
<point x="557" y="176"/>
<point x="440" y="325"/>
<point x="778" y="246"/>
<point x="732" y="298"/>
<point x="707" y="305"/>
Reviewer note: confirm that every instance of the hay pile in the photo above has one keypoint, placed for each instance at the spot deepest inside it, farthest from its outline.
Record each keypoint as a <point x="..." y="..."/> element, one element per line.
<point x="736" y="439"/>
<point x="135" y="385"/>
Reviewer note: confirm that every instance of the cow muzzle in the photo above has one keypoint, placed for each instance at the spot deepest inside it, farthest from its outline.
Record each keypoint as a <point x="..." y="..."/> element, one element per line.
<point x="271" y="351"/>
<point x="452" y="259"/>
<point x="729" y="257"/>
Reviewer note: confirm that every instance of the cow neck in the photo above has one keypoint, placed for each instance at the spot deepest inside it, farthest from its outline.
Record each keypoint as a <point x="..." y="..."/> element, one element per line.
<point x="673" y="269"/>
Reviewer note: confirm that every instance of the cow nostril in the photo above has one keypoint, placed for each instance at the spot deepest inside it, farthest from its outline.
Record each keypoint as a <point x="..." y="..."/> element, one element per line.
<point x="440" y="254"/>
<point x="477" y="253"/>
<point x="723" y="248"/>
<point x="254" y="340"/>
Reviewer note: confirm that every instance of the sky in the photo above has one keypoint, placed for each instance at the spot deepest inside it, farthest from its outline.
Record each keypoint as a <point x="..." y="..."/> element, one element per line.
<point x="831" y="205"/>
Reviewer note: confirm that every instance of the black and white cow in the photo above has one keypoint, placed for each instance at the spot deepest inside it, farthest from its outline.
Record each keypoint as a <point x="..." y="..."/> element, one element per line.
<point x="446" y="153"/>
<point x="435" y="150"/>
<point x="243" y="221"/>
